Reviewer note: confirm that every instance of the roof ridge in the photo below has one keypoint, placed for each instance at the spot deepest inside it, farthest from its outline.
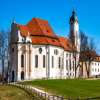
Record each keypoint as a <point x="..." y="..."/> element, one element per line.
<point x="36" y="18"/>
<point x="38" y="24"/>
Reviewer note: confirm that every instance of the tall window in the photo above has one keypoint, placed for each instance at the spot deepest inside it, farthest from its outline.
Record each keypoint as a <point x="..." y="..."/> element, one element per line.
<point x="73" y="66"/>
<point x="70" y="64"/>
<point x="52" y="61"/>
<point x="22" y="60"/>
<point x="66" y="55"/>
<point x="70" y="55"/>
<point x="66" y="64"/>
<point x="44" y="61"/>
<point x="36" y="61"/>
<point x="56" y="52"/>
<point x="59" y="62"/>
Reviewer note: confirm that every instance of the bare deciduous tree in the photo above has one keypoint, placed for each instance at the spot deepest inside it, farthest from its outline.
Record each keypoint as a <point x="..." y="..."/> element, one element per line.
<point x="4" y="50"/>
<point x="87" y="52"/>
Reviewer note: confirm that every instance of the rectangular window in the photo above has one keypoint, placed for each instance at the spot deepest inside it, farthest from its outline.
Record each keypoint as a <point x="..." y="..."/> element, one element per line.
<point x="73" y="66"/>
<point x="70" y="64"/>
<point x="59" y="62"/>
<point x="43" y="61"/>
<point x="36" y="61"/>
<point x="52" y="61"/>
<point x="66" y="55"/>
<point x="66" y="64"/>
<point x="22" y="60"/>
<point x="70" y="55"/>
<point x="92" y="69"/>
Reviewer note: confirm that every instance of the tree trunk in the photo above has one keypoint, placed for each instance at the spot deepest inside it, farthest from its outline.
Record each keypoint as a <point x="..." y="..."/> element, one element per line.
<point x="3" y="69"/>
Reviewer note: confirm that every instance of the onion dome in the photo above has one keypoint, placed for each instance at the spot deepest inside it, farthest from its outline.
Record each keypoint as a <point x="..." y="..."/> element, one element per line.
<point x="73" y="18"/>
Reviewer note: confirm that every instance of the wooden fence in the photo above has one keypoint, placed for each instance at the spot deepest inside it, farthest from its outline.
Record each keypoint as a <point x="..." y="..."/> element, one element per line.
<point x="37" y="95"/>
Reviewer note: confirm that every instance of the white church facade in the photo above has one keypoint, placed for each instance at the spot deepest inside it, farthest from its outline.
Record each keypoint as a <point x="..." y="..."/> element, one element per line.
<point x="36" y="52"/>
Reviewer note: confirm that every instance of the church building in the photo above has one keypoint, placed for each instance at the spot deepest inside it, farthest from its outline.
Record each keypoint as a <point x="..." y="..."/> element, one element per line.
<point x="36" y="52"/>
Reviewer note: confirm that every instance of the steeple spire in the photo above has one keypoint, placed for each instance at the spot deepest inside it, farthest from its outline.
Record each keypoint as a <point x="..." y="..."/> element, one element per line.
<point x="73" y="12"/>
<point x="13" y="20"/>
<point x="74" y="30"/>
<point x="73" y="18"/>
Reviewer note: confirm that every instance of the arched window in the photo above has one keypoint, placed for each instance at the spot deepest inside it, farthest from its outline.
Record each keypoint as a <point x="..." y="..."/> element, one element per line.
<point x="22" y="60"/>
<point x="22" y="75"/>
<point x="36" y="61"/>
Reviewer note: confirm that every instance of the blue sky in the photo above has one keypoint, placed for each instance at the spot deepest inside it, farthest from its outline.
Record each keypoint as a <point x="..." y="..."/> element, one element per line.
<point x="57" y="12"/>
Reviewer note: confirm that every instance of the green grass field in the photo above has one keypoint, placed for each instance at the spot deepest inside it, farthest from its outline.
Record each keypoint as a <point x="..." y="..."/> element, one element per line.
<point x="69" y="88"/>
<point x="13" y="93"/>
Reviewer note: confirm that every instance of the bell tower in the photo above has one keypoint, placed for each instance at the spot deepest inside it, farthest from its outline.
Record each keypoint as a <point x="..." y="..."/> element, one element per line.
<point x="74" y="31"/>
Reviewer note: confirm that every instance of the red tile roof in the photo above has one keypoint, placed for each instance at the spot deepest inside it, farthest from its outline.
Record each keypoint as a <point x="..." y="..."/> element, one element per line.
<point x="45" y="40"/>
<point x="97" y="59"/>
<point x="23" y="29"/>
<point x="41" y="33"/>
<point x="65" y="43"/>
<point x="40" y="27"/>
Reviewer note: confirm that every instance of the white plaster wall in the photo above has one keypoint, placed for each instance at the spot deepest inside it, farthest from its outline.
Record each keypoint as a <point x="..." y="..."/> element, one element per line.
<point x="95" y="68"/>
<point x="24" y="49"/>
<point x="55" y="72"/>
<point x="39" y="72"/>
<point x="13" y="62"/>
<point x="77" y="62"/>
<point x="67" y="72"/>
<point x="19" y="63"/>
<point x="48" y="71"/>
<point x="66" y="67"/>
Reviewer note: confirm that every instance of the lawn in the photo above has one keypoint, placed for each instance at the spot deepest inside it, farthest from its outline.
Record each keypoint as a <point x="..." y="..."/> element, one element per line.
<point x="13" y="93"/>
<point x="69" y="88"/>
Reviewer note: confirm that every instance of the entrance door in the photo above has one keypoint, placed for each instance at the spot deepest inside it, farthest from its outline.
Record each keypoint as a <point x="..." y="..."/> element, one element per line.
<point x="22" y="75"/>
<point x="13" y="76"/>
